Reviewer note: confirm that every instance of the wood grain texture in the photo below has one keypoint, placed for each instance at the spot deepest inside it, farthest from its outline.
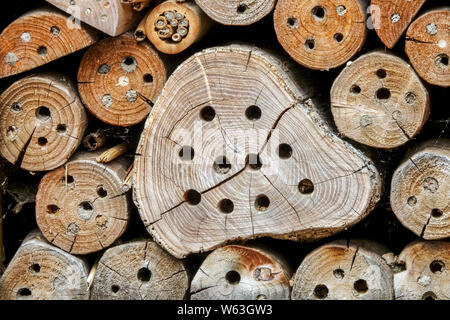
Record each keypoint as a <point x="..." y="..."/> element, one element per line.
<point x="344" y="270"/>
<point x="321" y="34"/>
<point x="119" y="79"/>
<point x="42" y="122"/>
<point x="81" y="207"/>
<point x="242" y="103"/>
<point x="420" y="191"/>
<point x="39" y="37"/>
<point x="40" y="271"/>
<point x="241" y="273"/>
<point x="111" y="16"/>
<point x="428" y="46"/>
<point x="392" y="18"/>
<point x="427" y="271"/>
<point x="236" y="12"/>
<point x="378" y="100"/>
<point x="139" y="270"/>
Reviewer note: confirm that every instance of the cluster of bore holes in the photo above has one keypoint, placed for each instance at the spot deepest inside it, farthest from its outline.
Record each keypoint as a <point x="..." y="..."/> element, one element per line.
<point x="252" y="113"/>
<point x="233" y="277"/>
<point x="321" y="291"/>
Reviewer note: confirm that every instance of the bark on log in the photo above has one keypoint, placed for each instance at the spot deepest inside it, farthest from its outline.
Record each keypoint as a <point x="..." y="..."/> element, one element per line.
<point x="426" y="274"/>
<point x="344" y="270"/>
<point x="378" y="100"/>
<point x="236" y="12"/>
<point x="139" y="270"/>
<point x="420" y="191"/>
<point x="241" y="273"/>
<point x="173" y="27"/>
<point x="428" y="46"/>
<point x="42" y="122"/>
<point x="119" y="79"/>
<point x="111" y="17"/>
<point x="219" y="158"/>
<point x="40" y="271"/>
<point x="391" y="19"/>
<point x="39" y="37"/>
<point x="81" y="207"/>
<point x="321" y="34"/>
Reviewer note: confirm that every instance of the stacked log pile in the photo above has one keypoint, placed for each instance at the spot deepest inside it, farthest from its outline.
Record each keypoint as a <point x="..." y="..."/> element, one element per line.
<point x="222" y="150"/>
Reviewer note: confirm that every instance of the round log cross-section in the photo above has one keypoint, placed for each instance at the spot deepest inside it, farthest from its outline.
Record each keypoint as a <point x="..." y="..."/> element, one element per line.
<point x="344" y="271"/>
<point x="234" y="149"/>
<point x="426" y="274"/>
<point x="379" y="101"/>
<point x="42" y="122"/>
<point x="81" y="207"/>
<point x="40" y="271"/>
<point x="420" y="191"/>
<point x="321" y="34"/>
<point x="240" y="273"/>
<point x="119" y="79"/>
<point x="428" y="46"/>
<point x="237" y="12"/>
<point x="139" y="270"/>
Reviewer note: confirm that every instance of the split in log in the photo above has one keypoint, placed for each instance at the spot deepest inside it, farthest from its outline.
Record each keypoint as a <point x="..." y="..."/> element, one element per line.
<point x="95" y="140"/>
<point x="119" y="79"/>
<point x="219" y="158"/>
<point x="139" y="270"/>
<point x="241" y="273"/>
<point x="173" y="27"/>
<point x="391" y="19"/>
<point x="236" y="12"/>
<point x="428" y="46"/>
<point x="81" y="207"/>
<point x="378" y="100"/>
<point x="42" y="122"/>
<point x="420" y="191"/>
<point x="344" y="270"/>
<point x="39" y="37"/>
<point x="321" y="34"/>
<point x="110" y="17"/>
<point x="426" y="271"/>
<point x="39" y="271"/>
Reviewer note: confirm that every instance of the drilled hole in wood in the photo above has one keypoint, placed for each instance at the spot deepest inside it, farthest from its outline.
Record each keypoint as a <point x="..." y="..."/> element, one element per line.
<point x="85" y="210"/>
<point x="429" y="296"/>
<point x="412" y="201"/>
<point x="226" y="206"/>
<point x="310" y="44"/>
<point x="42" y="50"/>
<point x="410" y="98"/>
<point x="395" y="17"/>
<point x="437" y="266"/>
<point x="208" y="113"/>
<point x="306" y="186"/>
<point x="254" y="161"/>
<point x="61" y="128"/>
<point x="16" y="107"/>
<point x="35" y="267"/>
<point x="107" y="100"/>
<point x="128" y="64"/>
<point x="193" y="197"/>
<point x="321" y="291"/>
<point x="104" y="69"/>
<point x="69" y="179"/>
<point x="115" y="288"/>
<point x="148" y="78"/>
<point x="52" y="209"/>
<point x="241" y="8"/>
<point x="55" y="31"/>
<point x="101" y="192"/>
<point x="186" y="153"/>
<point x="12" y="133"/>
<point x="253" y="113"/>
<point x="436" y="213"/>
<point x="261" y="297"/>
<point x="233" y="277"/>
<point x="355" y="89"/>
<point x="222" y="165"/>
<point x="262" y="202"/>
<point x="42" y="141"/>
<point x="341" y="10"/>
<point x="292" y="22"/>
<point x="140" y="34"/>
<point x="284" y="151"/>
<point x="339" y="273"/>
<point x="360" y="286"/>
<point x="441" y="61"/>
<point x="338" y="37"/>
<point x="43" y="114"/>
<point x="381" y="73"/>
<point x="383" y="94"/>
<point x="24" y="292"/>
<point x="144" y="275"/>
<point x="318" y="13"/>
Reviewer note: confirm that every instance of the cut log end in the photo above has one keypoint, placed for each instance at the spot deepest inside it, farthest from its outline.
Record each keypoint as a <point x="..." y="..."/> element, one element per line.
<point x="81" y="207"/>
<point x="321" y="34"/>
<point x="378" y="100"/>
<point x="240" y="273"/>
<point x="139" y="271"/>
<point x="42" y="122"/>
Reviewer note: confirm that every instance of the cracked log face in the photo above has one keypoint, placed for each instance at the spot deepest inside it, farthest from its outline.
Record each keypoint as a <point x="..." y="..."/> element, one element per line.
<point x="39" y="271"/>
<point x="139" y="270"/>
<point x="119" y="79"/>
<point x="344" y="271"/>
<point x="427" y="272"/>
<point x="321" y="34"/>
<point x="112" y="17"/>
<point x="391" y="19"/>
<point x="379" y="101"/>
<point x="39" y="37"/>
<point x="240" y="273"/>
<point x="237" y="12"/>
<point x="42" y="122"/>
<point x="234" y="149"/>
<point x="420" y="191"/>
<point x="81" y="207"/>
<point x="428" y="46"/>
